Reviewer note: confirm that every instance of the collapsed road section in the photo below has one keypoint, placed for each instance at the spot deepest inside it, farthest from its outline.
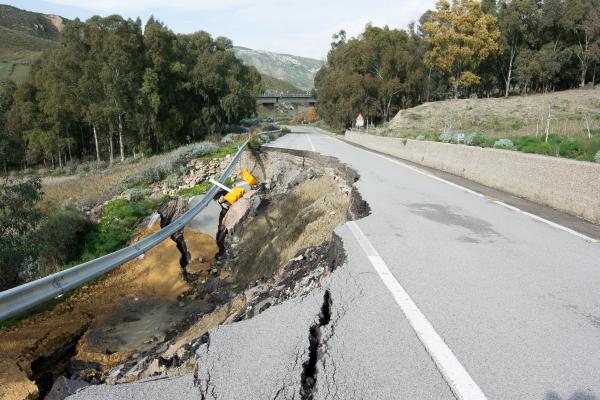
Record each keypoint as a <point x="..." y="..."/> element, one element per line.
<point x="274" y="245"/>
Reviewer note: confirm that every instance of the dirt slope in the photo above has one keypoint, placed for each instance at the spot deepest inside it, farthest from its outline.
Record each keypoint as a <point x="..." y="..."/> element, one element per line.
<point x="117" y="316"/>
<point x="502" y="117"/>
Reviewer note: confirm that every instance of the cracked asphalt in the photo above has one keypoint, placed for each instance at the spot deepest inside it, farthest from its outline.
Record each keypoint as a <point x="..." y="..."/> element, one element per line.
<point x="514" y="299"/>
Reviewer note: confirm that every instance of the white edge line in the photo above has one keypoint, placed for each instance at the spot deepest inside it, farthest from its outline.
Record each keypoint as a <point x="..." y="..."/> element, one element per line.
<point x="312" y="146"/>
<point x="453" y="372"/>
<point x="508" y="206"/>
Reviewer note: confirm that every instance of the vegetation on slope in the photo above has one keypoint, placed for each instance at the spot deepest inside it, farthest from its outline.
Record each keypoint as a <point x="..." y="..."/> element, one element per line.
<point x="462" y="49"/>
<point x="274" y="85"/>
<point x="111" y="90"/>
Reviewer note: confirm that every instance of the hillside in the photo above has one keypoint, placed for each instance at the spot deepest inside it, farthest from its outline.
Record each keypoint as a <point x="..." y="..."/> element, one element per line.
<point x="24" y="35"/>
<point x="571" y="112"/>
<point x="297" y="71"/>
<point x="271" y="84"/>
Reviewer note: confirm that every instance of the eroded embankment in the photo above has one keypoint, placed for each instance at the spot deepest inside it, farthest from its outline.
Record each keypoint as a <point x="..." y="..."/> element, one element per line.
<point x="146" y="320"/>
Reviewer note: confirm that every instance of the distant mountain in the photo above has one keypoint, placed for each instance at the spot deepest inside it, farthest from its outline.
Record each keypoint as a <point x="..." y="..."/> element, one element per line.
<point x="271" y="84"/>
<point x="295" y="70"/>
<point x="24" y="35"/>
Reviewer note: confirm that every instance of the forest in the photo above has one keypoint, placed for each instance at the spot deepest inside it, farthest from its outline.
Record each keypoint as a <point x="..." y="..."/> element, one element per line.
<point x="113" y="90"/>
<point x="463" y="48"/>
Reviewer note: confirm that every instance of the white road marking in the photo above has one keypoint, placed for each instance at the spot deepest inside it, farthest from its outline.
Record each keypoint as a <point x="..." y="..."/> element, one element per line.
<point x="457" y="377"/>
<point x="503" y="204"/>
<point x="312" y="146"/>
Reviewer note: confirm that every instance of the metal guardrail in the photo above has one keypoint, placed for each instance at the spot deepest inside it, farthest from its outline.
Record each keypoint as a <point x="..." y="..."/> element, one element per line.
<point x="18" y="299"/>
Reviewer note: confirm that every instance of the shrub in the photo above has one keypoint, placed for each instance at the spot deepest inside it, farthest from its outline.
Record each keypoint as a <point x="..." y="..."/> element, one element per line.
<point x="445" y="138"/>
<point x="570" y="148"/>
<point x="19" y="217"/>
<point x="264" y="138"/>
<point x="285" y="130"/>
<point x="160" y="167"/>
<point x="503" y="144"/>
<point x="475" y="139"/>
<point x="172" y="181"/>
<point x="61" y="238"/>
<point x="119" y="218"/>
<point x="137" y="194"/>
<point x="597" y="157"/>
<point x="227" y="139"/>
<point x="420" y="137"/>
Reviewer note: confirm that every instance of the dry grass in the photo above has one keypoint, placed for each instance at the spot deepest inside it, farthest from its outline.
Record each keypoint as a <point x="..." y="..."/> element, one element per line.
<point x="85" y="190"/>
<point x="570" y="113"/>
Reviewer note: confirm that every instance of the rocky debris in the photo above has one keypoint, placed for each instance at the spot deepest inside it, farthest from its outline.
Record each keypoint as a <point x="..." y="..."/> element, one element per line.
<point x="169" y="212"/>
<point x="240" y="209"/>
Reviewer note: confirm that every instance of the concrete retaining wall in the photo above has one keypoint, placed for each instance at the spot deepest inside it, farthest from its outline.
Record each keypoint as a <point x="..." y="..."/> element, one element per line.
<point x="567" y="185"/>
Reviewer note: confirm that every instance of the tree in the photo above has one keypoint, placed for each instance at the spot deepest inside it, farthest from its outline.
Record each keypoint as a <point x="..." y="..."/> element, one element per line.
<point x="461" y="36"/>
<point x="583" y="19"/>
<point x="7" y="89"/>
<point x="518" y="20"/>
<point x="19" y="218"/>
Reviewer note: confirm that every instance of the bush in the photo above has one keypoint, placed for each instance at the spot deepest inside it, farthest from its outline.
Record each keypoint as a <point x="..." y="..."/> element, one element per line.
<point x="597" y="157"/>
<point x="264" y="138"/>
<point x="159" y="167"/>
<point x="420" y="137"/>
<point x="503" y="144"/>
<point x="19" y="217"/>
<point x="446" y="138"/>
<point x="119" y="218"/>
<point x="61" y="238"/>
<point x="285" y="130"/>
<point x="228" y="139"/>
<point x="137" y="194"/>
<point x="475" y="139"/>
<point x="250" y="121"/>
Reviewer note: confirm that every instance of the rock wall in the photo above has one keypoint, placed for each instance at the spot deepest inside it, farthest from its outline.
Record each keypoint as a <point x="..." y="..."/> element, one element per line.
<point x="567" y="185"/>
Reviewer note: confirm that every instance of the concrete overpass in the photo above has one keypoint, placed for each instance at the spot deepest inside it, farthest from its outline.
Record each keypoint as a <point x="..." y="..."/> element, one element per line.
<point x="271" y="100"/>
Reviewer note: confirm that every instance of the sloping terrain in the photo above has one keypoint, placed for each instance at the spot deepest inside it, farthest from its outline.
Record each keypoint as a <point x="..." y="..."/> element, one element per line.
<point x="277" y="85"/>
<point x="24" y="35"/>
<point x="298" y="71"/>
<point x="570" y="114"/>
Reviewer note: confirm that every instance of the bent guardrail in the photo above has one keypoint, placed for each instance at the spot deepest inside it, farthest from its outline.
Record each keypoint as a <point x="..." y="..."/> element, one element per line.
<point x="21" y="298"/>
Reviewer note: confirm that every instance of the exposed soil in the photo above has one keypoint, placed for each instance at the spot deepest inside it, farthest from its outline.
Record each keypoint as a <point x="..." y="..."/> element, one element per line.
<point x="144" y="319"/>
<point x="128" y="311"/>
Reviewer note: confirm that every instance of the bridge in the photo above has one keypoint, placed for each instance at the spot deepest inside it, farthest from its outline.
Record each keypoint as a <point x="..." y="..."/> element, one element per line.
<point x="271" y="100"/>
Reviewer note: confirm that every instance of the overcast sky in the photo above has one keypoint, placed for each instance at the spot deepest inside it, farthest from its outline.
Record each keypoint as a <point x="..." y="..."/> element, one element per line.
<point x="299" y="27"/>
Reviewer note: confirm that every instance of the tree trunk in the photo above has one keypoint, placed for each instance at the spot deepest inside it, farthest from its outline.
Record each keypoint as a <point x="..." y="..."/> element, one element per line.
<point x="110" y="148"/>
<point x="96" y="143"/>
<point x="121" y="144"/>
<point x="583" y="74"/>
<point x="60" y="163"/>
<point x="513" y="51"/>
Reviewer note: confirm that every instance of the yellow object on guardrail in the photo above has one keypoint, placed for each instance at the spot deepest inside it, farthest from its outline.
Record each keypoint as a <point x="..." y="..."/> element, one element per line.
<point x="247" y="176"/>
<point x="234" y="195"/>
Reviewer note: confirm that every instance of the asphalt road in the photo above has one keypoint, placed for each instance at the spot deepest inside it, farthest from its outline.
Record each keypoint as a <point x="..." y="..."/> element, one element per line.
<point x="445" y="294"/>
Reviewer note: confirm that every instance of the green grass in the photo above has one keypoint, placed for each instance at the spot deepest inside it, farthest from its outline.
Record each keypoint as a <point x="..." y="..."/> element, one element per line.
<point x="197" y="190"/>
<point x="220" y="153"/>
<point x="119" y="218"/>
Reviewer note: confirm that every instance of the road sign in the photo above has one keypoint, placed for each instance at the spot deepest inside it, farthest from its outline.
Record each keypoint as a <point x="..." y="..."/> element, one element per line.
<point x="360" y="121"/>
